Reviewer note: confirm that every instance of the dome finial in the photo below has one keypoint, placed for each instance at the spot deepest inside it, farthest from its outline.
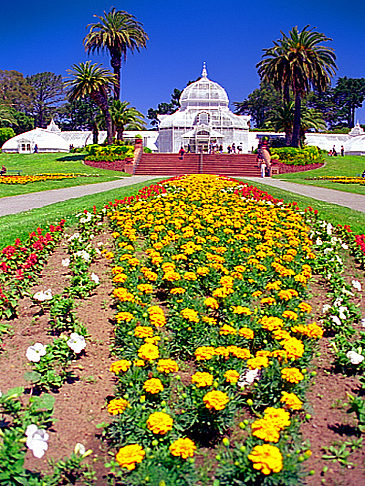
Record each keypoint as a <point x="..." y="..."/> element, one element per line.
<point x="204" y="72"/>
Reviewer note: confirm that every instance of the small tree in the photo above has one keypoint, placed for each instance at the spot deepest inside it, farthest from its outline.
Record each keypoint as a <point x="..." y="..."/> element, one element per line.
<point x="6" y="134"/>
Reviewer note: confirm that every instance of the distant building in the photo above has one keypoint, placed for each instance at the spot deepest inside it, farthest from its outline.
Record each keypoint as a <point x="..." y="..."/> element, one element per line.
<point x="203" y="119"/>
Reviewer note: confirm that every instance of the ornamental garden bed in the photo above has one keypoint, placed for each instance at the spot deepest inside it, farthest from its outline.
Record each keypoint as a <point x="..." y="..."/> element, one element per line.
<point x="187" y="322"/>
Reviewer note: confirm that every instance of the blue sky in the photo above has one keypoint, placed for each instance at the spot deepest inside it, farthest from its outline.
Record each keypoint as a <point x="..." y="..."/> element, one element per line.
<point x="40" y="35"/>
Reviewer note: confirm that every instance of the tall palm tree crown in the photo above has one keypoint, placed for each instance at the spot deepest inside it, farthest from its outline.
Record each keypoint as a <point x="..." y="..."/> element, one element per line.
<point x="118" y="32"/>
<point x="298" y="62"/>
<point x="91" y="80"/>
<point x="126" y="117"/>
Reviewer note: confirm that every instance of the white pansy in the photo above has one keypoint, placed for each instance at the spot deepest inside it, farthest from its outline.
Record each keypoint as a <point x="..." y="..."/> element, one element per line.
<point x="35" y="352"/>
<point x="80" y="449"/>
<point x="36" y="440"/>
<point x="363" y="322"/>
<point x="43" y="295"/>
<point x="83" y="254"/>
<point x="95" y="278"/>
<point x="75" y="236"/>
<point x="329" y="229"/>
<point x="342" y="310"/>
<point x="318" y="242"/>
<point x="336" y="320"/>
<point x="346" y="292"/>
<point x="248" y="377"/>
<point x="339" y="259"/>
<point x="86" y="218"/>
<point x="76" y="342"/>
<point x="65" y="262"/>
<point x="338" y="302"/>
<point x="327" y="250"/>
<point x="356" y="284"/>
<point x="355" y="357"/>
<point x="344" y="246"/>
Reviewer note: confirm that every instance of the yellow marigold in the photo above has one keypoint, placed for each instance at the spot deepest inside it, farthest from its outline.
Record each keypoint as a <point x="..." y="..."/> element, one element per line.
<point x="204" y="353"/>
<point x="273" y="285"/>
<point x="168" y="266"/>
<point x="117" y="405"/>
<point x="202" y="379"/>
<point x="226" y="330"/>
<point x="172" y="276"/>
<point x="152" y="340"/>
<point x="159" y="423"/>
<point x="293" y="347"/>
<point x="305" y="307"/>
<point x="271" y="322"/>
<point x="291" y="401"/>
<point x="258" y="363"/>
<point x="167" y="366"/>
<point x="287" y="294"/>
<point x="246" y="332"/>
<point x="139" y="363"/>
<point x="242" y="310"/>
<point x="124" y="316"/>
<point x="265" y="430"/>
<point x="278" y="417"/>
<point x="190" y="314"/>
<point x="280" y="354"/>
<point x="118" y="269"/>
<point x="153" y="385"/>
<point x="222" y="351"/>
<point x="129" y="455"/>
<point x="121" y="365"/>
<point x="209" y="320"/>
<point x="202" y="271"/>
<point x="280" y="334"/>
<point x="157" y="316"/>
<point x="177" y="290"/>
<point x="257" y="293"/>
<point x="311" y="330"/>
<point x="268" y="301"/>
<point x="123" y="295"/>
<point x="109" y="255"/>
<point x="146" y="288"/>
<point x="215" y="400"/>
<point x="293" y="316"/>
<point x="266" y="458"/>
<point x="212" y="303"/>
<point x="183" y="448"/>
<point x="293" y="375"/>
<point x="143" y="331"/>
<point x="240" y="353"/>
<point x="148" y="352"/>
<point x="232" y="376"/>
<point x="120" y="278"/>
<point x="190" y="276"/>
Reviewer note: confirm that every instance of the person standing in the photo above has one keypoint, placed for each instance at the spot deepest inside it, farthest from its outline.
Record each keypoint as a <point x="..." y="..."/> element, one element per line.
<point x="234" y="148"/>
<point x="342" y="151"/>
<point x="181" y="153"/>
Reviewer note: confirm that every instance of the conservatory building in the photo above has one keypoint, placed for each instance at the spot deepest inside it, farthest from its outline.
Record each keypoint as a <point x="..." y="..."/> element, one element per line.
<point x="203" y="120"/>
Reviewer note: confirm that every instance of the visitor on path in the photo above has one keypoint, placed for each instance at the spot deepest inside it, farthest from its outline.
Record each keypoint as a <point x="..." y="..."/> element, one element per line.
<point x="265" y="154"/>
<point x="263" y="167"/>
<point x="189" y="149"/>
<point x="234" y="148"/>
<point x="363" y="174"/>
<point x="35" y="149"/>
<point x="334" y="153"/>
<point x="181" y="153"/>
<point x="3" y="170"/>
<point x="240" y="148"/>
<point x="342" y="151"/>
<point x="220" y="149"/>
<point x="229" y="150"/>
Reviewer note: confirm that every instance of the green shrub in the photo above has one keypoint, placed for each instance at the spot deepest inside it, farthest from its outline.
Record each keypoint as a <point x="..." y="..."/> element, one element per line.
<point x="297" y="156"/>
<point x="147" y="150"/>
<point x="108" y="153"/>
<point x="5" y="134"/>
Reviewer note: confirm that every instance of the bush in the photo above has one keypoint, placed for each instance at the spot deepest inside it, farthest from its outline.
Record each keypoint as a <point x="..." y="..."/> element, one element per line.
<point x="147" y="150"/>
<point x="108" y="153"/>
<point x="5" y="134"/>
<point x="297" y="156"/>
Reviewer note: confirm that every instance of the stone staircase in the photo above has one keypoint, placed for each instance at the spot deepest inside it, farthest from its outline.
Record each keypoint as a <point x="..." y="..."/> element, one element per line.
<point x="221" y="164"/>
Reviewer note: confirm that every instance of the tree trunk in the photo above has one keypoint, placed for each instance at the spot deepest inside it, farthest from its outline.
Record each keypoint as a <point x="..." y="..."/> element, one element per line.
<point x="101" y="99"/>
<point x="120" y="133"/>
<point x="116" y="62"/>
<point x="95" y="132"/>
<point x="296" y="123"/>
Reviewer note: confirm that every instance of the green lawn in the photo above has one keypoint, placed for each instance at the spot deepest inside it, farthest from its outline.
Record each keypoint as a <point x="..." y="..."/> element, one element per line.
<point x="21" y="224"/>
<point x="349" y="166"/>
<point x="50" y="163"/>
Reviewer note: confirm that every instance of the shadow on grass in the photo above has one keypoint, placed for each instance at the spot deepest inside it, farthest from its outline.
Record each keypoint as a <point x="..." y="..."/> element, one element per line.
<point x="71" y="158"/>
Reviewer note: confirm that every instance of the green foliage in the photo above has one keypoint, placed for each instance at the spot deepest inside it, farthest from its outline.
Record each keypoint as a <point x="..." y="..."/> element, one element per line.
<point x="296" y="156"/>
<point x="48" y="89"/>
<point x="5" y="134"/>
<point x="109" y="153"/>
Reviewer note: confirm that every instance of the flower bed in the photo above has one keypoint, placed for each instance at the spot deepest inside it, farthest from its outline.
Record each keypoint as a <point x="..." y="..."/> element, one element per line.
<point x="287" y="169"/>
<point x="340" y="179"/>
<point x="26" y="179"/>
<point x="212" y="337"/>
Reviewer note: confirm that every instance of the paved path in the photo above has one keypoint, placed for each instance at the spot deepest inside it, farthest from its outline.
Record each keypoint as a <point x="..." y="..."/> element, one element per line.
<point x="17" y="204"/>
<point x="347" y="199"/>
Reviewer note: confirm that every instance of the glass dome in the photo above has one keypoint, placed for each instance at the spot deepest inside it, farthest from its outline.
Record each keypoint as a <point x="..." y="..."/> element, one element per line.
<point x="203" y="92"/>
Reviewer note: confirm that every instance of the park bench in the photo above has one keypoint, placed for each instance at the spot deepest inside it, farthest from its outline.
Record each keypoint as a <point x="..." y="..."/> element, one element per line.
<point x="12" y="172"/>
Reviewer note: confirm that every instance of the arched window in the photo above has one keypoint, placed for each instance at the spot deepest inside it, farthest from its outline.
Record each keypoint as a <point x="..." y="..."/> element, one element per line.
<point x="203" y="119"/>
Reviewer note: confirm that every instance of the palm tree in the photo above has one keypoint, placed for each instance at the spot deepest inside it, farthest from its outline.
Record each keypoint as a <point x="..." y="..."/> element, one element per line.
<point x="92" y="81"/>
<point x="125" y="117"/>
<point x="298" y="62"/>
<point x="118" y="32"/>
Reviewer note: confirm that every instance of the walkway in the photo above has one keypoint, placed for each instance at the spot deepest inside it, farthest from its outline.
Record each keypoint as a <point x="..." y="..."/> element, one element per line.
<point x="346" y="199"/>
<point x="25" y="202"/>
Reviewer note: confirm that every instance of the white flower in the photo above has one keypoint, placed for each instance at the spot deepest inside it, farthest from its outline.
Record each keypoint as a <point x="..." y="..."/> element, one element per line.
<point x="336" y="320"/>
<point x="76" y="342"/>
<point x="79" y="449"/>
<point x="344" y="246"/>
<point x="248" y="377"/>
<point x="337" y="302"/>
<point x="36" y="440"/>
<point x="86" y="218"/>
<point x="355" y="357"/>
<point x="35" y="352"/>
<point x="65" y="262"/>
<point x="83" y="254"/>
<point x="75" y="236"/>
<point x="339" y="259"/>
<point x="318" y="242"/>
<point x="363" y="322"/>
<point x="325" y="308"/>
<point x="42" y="296"/>
<point x="95" y="278"/>
<point x="327" y="250"/>
<point x="342" y="311"/>
<point x="356" y="284"/>
<point x="329" y="228"/>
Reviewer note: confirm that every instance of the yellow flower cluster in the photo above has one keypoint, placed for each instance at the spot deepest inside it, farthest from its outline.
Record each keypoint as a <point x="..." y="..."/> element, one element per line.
<point x="130" y="455"/>
<point x="202" y="379"/>
<point x="159" y="423"/>
<point x="266" y="458"/>
<point x="215" y="400"/>
<point x="183" y="448"/>
<point x="157" y="316"/>
<point x="117" y="405"/>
